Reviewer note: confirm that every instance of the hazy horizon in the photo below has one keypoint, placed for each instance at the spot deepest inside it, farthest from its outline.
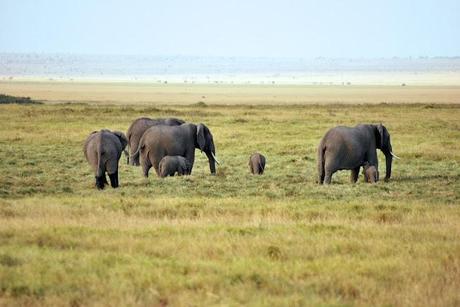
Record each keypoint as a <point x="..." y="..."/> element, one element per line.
<point x="239" y="70"/>
<point x="355" y="58"/>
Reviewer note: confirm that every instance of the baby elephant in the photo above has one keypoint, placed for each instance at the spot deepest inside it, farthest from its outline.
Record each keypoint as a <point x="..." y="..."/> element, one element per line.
<point x="170" y="165"/>
<point x="102" y="151"/>
<point x="370" y="172"/>
<point x="257" y="163"/>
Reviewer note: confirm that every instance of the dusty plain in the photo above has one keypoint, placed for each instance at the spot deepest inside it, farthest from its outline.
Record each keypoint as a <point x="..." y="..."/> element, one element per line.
<point x="123" y="93"/>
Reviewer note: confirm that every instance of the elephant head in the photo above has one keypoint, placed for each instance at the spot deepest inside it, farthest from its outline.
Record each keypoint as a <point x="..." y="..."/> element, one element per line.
<point x="123" y="140"/>
<point x="384" y="144"/>
<point x="205" y="142"/>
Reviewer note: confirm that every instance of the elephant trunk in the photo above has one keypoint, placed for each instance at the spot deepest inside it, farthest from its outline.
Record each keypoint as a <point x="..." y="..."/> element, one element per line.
<point x="212" y="162"/>
<point x="388" y="160"/>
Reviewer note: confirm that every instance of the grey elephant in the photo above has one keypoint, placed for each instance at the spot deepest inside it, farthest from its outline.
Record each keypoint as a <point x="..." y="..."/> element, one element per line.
<point x="347" y="148"/>
<point x="170" y="165"/>
<point x="159" y="141"/>
<point x="137" y="129"/>
<point x="257" y="163"/>
<point x="370" y="172"/>
<point x="103" y="151"/>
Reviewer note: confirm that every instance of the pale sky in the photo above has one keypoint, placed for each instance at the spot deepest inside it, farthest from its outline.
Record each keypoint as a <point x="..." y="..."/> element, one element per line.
<point x="283" y="28"/>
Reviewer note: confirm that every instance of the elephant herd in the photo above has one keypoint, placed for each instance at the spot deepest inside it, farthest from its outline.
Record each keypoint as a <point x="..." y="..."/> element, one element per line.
<point x="168" y="145"/>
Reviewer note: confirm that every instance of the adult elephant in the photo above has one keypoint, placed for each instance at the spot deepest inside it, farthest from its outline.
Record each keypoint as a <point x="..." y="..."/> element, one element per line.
<point x="350" y="147"/>
<point x="137" y="129"/>
<point x="102" y="150"/>
<point x="160" y="141"/>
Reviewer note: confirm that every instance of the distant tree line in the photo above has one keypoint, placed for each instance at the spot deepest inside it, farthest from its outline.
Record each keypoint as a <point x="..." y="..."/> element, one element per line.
<point x="7" y="99"/>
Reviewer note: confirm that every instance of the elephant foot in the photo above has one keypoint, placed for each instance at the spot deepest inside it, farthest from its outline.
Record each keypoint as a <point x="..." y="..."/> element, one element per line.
<point x="354" y="175"/>
<point x="114" y="180"/>
<point x="134" y="161"/>
<point x="327" y="180"/>
<point x="100" y="182"/>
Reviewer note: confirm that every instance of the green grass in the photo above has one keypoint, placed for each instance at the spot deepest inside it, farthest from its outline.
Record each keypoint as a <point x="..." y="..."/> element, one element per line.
<point x="230" y="239"/>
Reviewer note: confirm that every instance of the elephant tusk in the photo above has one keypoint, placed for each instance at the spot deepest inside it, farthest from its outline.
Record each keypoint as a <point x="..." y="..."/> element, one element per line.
<point x="214" y="157"/>
<point x="395" y="156"/>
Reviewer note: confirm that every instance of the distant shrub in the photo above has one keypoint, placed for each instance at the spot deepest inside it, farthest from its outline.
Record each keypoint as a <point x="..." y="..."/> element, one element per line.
<point x="7" y="99"/>
<point x="200" y="104"/>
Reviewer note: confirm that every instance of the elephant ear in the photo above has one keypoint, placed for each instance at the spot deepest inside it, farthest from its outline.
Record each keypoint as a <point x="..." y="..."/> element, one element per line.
<point x="200" y="136"/>
<point x="381" y="130"/>
<point x="123" y="140"/>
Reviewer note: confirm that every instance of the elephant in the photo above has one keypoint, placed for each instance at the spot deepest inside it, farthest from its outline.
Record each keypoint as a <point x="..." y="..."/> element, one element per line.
<point x="349" y="147"/>
<point x="102" y="150"/>
<point x="170" y="165"/>
<point x="159" y="141"/>
<point x="137" y="129"/>
<point x="257" y="163"/>
<point x="370" y="172"/>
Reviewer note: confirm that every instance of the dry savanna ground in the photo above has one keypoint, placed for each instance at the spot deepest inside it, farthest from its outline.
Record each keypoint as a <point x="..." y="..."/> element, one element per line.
<point x="230" y="239"/>
<point x="137" y="93"/>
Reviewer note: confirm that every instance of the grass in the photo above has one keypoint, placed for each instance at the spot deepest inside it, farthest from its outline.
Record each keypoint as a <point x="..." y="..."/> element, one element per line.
<point x="230" y="239"/>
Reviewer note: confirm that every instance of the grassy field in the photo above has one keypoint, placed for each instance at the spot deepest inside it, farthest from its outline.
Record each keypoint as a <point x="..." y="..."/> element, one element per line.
<point x="232" y="239"/>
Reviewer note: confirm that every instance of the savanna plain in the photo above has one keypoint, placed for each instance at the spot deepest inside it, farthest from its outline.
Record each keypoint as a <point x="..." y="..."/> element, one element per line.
<point x="232" y="239"/>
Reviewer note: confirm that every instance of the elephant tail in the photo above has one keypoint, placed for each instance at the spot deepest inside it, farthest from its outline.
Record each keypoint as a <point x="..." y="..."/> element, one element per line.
<point x="128" y="146"/>
<point x="135" y="156"/>
<point x="321" y="172"/>
<point x="100" y="171"/>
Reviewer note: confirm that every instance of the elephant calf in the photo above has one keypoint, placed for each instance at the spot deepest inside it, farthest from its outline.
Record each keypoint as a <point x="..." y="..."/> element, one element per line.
<point x="170" y="165"/>
<point x="370" y="173"/>
<point x="103" y="151"/>
<point x="257" y="163"/>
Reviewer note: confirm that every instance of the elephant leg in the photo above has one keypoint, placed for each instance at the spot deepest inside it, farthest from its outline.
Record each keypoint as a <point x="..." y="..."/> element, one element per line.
<point x="329" y="169"/>
<point x="354" y="174"/>
<point x="114" y="179"/>
<point x="145" y="168"/>
<point x="135" y="159"/>
<point x="327" y="177"/>
<point x="321" y="177"/>
<point x="321" y="174"/>
<point x="157" y="170"/>
<point x="190" y="156"/>
<point x="100" y="182"/>
<point x="155" y="158"/>
<point x="146" y="163"/>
